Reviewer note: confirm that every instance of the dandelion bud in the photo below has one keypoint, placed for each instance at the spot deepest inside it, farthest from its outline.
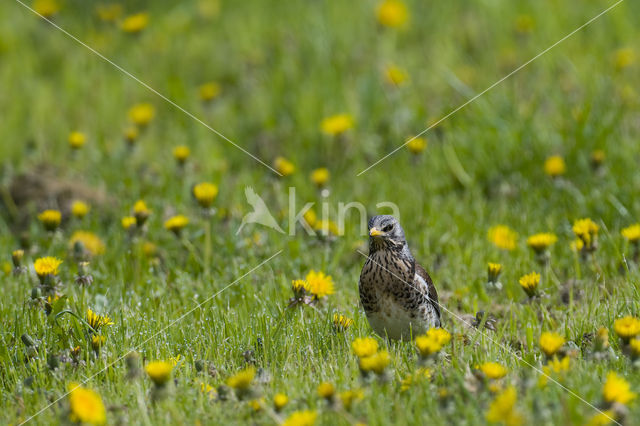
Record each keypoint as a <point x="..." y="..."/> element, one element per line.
<point x="141" y="212"/>
<point x="16" y="257"/>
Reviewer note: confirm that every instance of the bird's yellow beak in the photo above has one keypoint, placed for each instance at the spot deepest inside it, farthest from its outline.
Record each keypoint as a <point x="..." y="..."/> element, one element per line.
<point x="373" y="232"/>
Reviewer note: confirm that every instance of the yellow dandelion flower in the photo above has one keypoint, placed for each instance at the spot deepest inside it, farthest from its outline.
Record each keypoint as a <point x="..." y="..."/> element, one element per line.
<point x="149" y="249"/>
<point x="301" y="418"/>
<point x="159" y="372"/>
<point x="493" y="370"/>
<point x="299" y="287"/>
<point x="280" y="400"/>
<point x="529" y="283"/>
<point x="320" y="284"/>
<point x="326" y="390"/>
<point x="542" y="241"/>
<point x="243" y="379"/>
<point x="310" y="217"/>
<point x="337" y="124"/>
<point x="320" y="176"/>
<point x="284" y="166"/>
<point x="554" y="367"/>
<point x="181" y="153"/>
<point x="348" y="397"/>
<point x="90" y="242"/>
<point x="176" y="223"/>
<point x="142" y="114"/>
<point x="602" y="418"/>
<point x="392" y="13"/>
<point x="97" y="321"/>
<point x="209" y="91"/>
<point x="376" y="362"/>
<point x="141" y="212"/>
<point x="627" y="328"/>
<point x="46" y="8"/>
<point x="551" y="342"/>
<point x="577" y="245"/>
<point x="131" y="134"/>
<point x="632" y="233"/>
<point x="433" y="341"/>
<point x="208" y="389"/>
<point x="128" y="222"/>
<point x="494" y="270"/>
<point x="617" y="389"/>
<point x="86" y="405"/>
<point x="45" y="266"/>
<point x="16" y="257"/>
<point x="79" y="209"/>
<point x="395" y="76"/>
<point x="587" y="231"/>
<point x="135" y="23"/>
<point x="624" y="58"/>
<point x="50" y="219"/>
<point x="417" y="145"/>
<point x="256" y="404"/>
<point x="341" y="323"/>
<point x="502" y="408"/>
<point x="364" y="346"/>
<point x="503" y="237"/>
<point x="634" y="345"/>
<point x="525" y="24"/>
<point x="77" y="140"/>
<point x="109" y="12"/>
<point x="597" y="157"/>
<point x="555" y="166"/>
<point x="97" y="342"/>
<point x="326" y="227"/>
<point x="205" y="193"/>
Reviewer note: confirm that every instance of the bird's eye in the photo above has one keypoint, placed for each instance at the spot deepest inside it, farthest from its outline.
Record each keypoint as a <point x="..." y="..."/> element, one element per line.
<point x="388" y="228"/>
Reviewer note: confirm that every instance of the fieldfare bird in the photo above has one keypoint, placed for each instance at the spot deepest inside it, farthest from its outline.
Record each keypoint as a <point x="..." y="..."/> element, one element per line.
<point x="397" y="293"/>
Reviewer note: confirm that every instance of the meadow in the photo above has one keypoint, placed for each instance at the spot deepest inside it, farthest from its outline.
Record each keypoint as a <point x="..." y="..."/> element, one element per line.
<point x="130" y="296"/>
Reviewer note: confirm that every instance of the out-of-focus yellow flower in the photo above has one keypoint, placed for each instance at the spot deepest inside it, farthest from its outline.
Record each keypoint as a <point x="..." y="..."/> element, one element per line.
<point x="529" y="283"/>
<point x="77" y="140"/>
<point x="310" y="217"/>
<point x="602" y="418"/>
<point x="284" y="166"/>
<point x="348" y="397"/>
<point x="86" y="405"/>
<point x="79" y="209"/>
<point x="634" y="345"/>
<point x="301" y="418"/>
<point x="159" y="372"/>
<point x="16" y="257"/>
<point x="376" y="362"/>
<point x="503" y="237"/>
<point x="617" y="389"/>
<point x="551" y="342"/>
<point x="326" y="390"/>
<point x="280" y="400"/>
<point x="542" y="241"/>
<point x="336" y="124"/>
<point x="97" y="342"/>
<point x="411" y="378"/>
<point x="208" y="389"/>
<point x="142" y="114"/>
<point x="597" y="157"/>
<point x="632" y="233"/>
<point x="243" y="379"/>
<point x="97" y="321"/>
<point x="141" y="212"/>
<point x="319" y="284"/>
<point x="135" y="23"/>
<point x="131" y="134"/>
<point x="128" y="222"/>
<point x="205" y="193"/>
<point x="176" y="223"/>
<point x="50" y="219"/>
<point x="502" y="408"/>
<point x="627" y="327"/>
<point x="109" y="12"/>
<point x="432" y="342"/>
<point x="392" y="13"/>
<point x="624" y="58"/>
<point x="181" y="153"/>
<point x="45" y="266"/>
<point x="493" y="271"/>
<point x="90" y="242"/>
<point x="417" y="145"/>
<point x="320" y="176"/>
<point x="587" y="231"/>
<point x="209" y="91"/>
<point x="326" y="227"/>
<point x="395" y="76"/>
<point x="256" y="404"/>
<point x="493" y="370"/>
<point x="46" y="8"/>
<point x="554" y="367"/>
<point x="555" y="166"/>
<point x="341" y="322"/>
<point x="525" y="24"/>
<point x="364" y="346"/>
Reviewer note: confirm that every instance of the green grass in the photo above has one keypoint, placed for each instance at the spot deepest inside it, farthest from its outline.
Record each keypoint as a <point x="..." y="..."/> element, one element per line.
<point x="283" y="67"/>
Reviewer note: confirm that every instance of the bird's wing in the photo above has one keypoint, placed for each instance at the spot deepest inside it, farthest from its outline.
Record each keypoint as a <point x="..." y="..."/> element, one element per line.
<point x="431" y="289"/>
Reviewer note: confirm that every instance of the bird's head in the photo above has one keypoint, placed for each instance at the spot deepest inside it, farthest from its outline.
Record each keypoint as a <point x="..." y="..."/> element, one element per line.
<point x="385" y="233"/>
